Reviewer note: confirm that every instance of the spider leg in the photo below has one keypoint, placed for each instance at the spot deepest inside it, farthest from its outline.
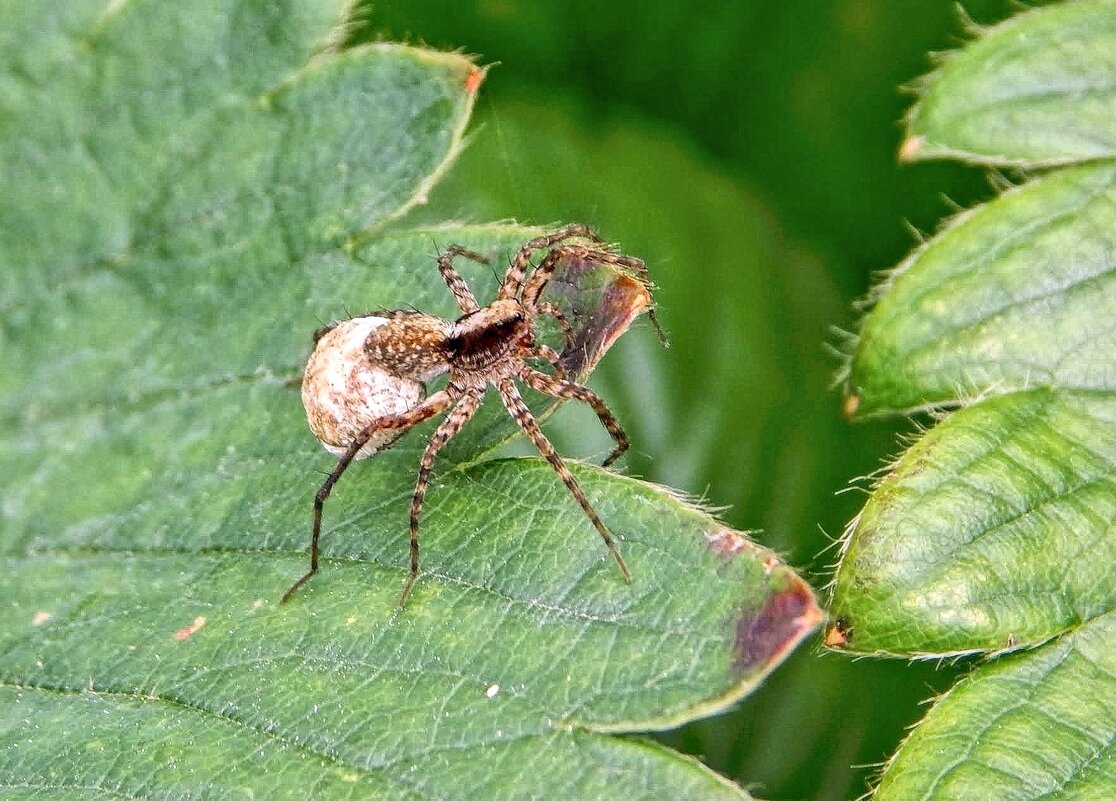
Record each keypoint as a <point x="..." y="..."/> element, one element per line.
<point x="560" y="388"/>
<point x="460" y="289"/>
<point x="453" y="423"/>
<point x="552" y="356"/>
<point x="425" y="410"/>
<point x="513" y="402"/>
<point x="546" y="307"/>
<point x="513" y="278"/>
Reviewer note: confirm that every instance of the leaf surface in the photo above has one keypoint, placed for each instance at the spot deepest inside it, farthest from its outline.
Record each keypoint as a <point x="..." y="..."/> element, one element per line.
<point x="239" y="184"/>
<point x="994" y="531"/>
<point x="1006" y="98"/>
<point x="737" y="406"/>
<point x="1037" y="724"/>
<point x="1017" y="293"/>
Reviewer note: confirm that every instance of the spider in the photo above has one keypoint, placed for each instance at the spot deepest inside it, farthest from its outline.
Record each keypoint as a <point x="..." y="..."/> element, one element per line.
<point x="364" y="384"/>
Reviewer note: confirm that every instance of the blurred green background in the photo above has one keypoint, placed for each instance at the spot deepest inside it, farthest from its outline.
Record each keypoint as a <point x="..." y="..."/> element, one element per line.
<point x="746" y="151"/>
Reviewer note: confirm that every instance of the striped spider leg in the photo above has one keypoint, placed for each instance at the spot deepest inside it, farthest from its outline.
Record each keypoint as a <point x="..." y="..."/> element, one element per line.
<point x="365" y="382"/>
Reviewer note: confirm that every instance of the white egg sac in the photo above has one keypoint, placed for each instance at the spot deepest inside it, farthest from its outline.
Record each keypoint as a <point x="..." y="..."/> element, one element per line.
<point x="343" y="390"/>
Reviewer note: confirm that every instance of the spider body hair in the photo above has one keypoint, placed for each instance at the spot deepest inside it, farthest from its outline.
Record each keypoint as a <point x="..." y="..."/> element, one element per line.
<point x="365" y="382"/>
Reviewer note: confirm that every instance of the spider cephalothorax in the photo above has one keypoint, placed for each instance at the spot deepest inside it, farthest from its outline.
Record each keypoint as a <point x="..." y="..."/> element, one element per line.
<point x="364" y="384"/>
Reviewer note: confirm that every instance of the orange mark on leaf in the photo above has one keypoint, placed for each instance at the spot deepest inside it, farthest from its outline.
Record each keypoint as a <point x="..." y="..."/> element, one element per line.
<point x="725" y="542"/>
<point x="473" y="80"/>
<point x="190" y="630"/>
<point x="910" y="147"/>
<point x="852" y="403"/>
<point x="41" y="618"/>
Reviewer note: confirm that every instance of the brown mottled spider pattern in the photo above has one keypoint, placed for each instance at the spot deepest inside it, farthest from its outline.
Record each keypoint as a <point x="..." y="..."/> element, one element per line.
<point x="364" y="383"/>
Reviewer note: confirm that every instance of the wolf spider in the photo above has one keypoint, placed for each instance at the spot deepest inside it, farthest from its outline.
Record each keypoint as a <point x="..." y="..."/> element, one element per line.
<point x="364" y="383"/>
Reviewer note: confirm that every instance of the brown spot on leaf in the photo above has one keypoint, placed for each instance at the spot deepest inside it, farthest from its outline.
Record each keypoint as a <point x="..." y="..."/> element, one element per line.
<point x="726" y="542"/>
<point x="193" y="628"/>
<point x="41" y="617"/>
<point x="763" y="636"/>
<point x="837" y="635"/>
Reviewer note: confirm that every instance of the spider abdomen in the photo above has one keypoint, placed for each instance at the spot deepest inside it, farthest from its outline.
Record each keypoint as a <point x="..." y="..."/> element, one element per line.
<point x="410" y="344"/>
<point x="343" y="390"/>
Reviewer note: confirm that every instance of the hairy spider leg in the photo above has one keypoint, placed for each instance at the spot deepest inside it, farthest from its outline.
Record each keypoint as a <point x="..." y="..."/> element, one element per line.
<point x="513" y="279"/>
<point x="513" y="402"/>
<point x="461" y="292"/>
<point x="552" y="356"/>
<point x="412" y="417"/>
<point x="545" y="271"/>
<point x="547" y="352"/>
<point x="560" y="388"/>
<point x="448" y="428"/>
<point x="546" y="307"/>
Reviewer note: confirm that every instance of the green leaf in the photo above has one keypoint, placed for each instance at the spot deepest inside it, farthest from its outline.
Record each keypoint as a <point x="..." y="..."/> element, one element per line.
<point x="730" y="407"/>
<point x="170" y="744"/>
<point x="1039" y="89"/>
<point x="184" y="218"/>
<point x="994" y="530"/>
<point x="721" y="409"/>
<point x="982" y="739"/>
<point x="1017" y="293"/>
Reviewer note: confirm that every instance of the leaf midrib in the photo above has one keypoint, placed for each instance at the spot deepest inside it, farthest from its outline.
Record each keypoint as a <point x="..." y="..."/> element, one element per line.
<point x="165" y="552"/>
<point x="1040" y="414"/>
<point x="990" y="725"/>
